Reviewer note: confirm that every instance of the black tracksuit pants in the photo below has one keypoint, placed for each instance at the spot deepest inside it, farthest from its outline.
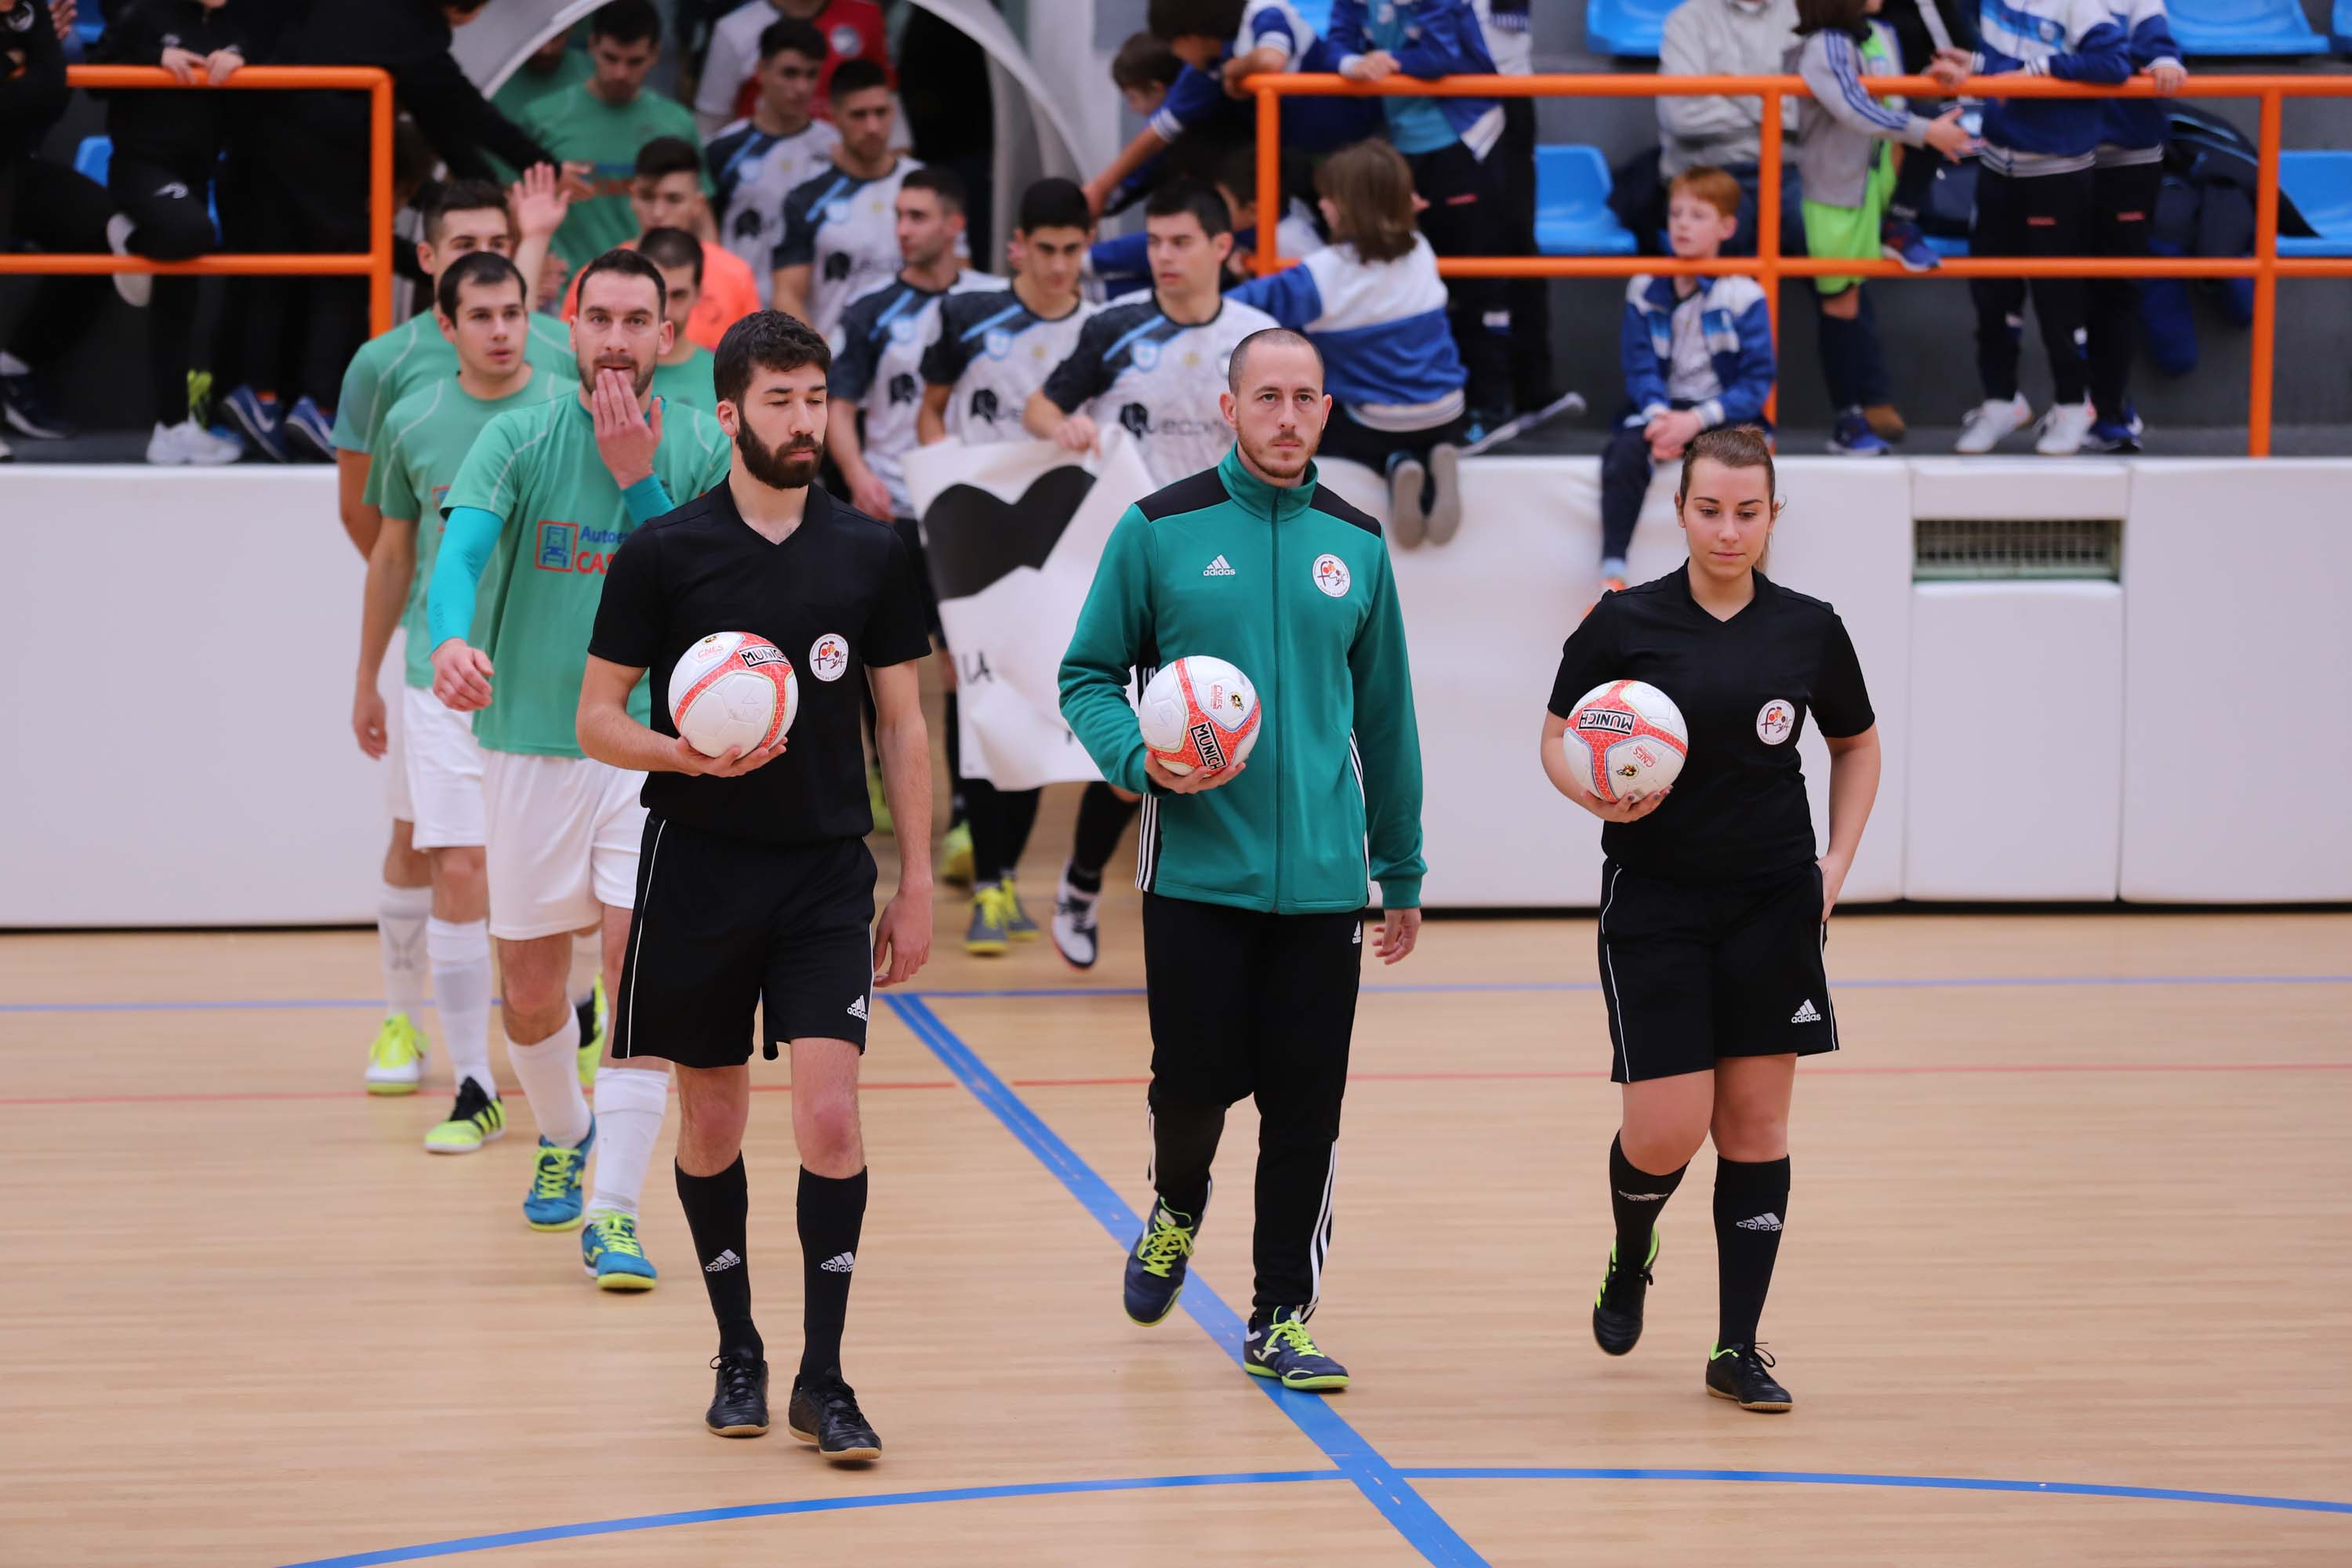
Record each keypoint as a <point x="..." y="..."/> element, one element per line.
<point x="173" y="225"/>
<point x="1250" y="1005"/>
<point x="1465" y="218"/>
<point x="2037" y="216"/>
<point x="48" y="206"/>
<point x="2123" y="214"/>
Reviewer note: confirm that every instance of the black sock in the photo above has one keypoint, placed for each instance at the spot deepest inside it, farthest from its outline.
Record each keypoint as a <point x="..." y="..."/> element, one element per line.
<point x="954" y="743"/>
<point x="717" y="1210"/>
<point x="985" y="813"/>
<point x="831" y="1213"/>
<point x="1018" y="810"/>
<point x="1635" y="1196"/>
<point x="1102" y="818"/>
<point x="1751" y="1201"/>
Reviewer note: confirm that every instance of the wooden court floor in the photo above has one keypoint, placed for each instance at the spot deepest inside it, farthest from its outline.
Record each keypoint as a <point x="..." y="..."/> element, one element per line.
<point x="2065" y="1280"/>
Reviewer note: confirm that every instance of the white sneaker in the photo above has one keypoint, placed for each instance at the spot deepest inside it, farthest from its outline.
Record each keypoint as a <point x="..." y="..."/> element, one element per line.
<point x="1992" y="420"/>
<point x="1074" y="924"/>
<point x="136" y="287"/>
<point x="2065" y="427"/>
<point x="189" y="444"/>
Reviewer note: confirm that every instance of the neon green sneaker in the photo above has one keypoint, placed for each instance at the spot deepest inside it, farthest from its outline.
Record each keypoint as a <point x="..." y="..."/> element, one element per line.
<point x="396" y="1060"/>
<point x="1279" y="1347"/>
<point x="477" y="1118"/>
<point x="595" y="1018"/>
<point x="955" y="856"/>
<point x="1018" y="925"/>
<point x="877" y="802"/>
<point x="991" y="908"/>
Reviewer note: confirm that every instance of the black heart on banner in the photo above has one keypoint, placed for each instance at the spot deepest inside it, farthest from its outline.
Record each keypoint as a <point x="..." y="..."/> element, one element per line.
<point x="975" y="537"/>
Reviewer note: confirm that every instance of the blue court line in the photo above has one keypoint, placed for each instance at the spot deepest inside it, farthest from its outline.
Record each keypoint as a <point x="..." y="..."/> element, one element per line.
<point x="1961" y="983"/>
<point x="1837" y="1478"/>
<point x="804" y="1505"/>
<point x="1313" y="1414"/>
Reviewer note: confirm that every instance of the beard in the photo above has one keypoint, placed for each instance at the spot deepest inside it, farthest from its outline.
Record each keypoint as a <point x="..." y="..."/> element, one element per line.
<point x="641" y="379"/>
<point x="790" y="468"/>
<point x="1281" y="462"/>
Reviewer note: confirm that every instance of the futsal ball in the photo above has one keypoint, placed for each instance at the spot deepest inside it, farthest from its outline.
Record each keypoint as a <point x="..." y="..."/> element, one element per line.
<point x="732" y="691"/>
<point x="1199" y="712"/>
<point x="1626" y="738"/>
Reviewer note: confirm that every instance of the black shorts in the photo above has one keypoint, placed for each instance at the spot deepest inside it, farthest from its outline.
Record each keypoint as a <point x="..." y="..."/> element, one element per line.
<point x="912" y="532"/>
<point x="726" y="925"/>
<point x="1692" y="971"/>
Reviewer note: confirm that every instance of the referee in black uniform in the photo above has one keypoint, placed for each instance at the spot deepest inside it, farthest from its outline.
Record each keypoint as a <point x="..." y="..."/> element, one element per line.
<point x="756" y="888"/>
<point x="1714" y="909"/>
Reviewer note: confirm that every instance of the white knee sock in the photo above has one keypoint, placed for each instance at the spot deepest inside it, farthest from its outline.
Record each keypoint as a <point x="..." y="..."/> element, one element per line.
<point x="461" y="994"/>
<point x="629" y="1106"/>
<point x="400" y="916"/>
<point x="550" y="1074"/>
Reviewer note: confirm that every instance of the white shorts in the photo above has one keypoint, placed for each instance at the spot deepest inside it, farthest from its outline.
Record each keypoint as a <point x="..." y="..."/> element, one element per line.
<point x="563" y="839"/>
<point x="444" y="772"/>
<point x="398" y="804"/>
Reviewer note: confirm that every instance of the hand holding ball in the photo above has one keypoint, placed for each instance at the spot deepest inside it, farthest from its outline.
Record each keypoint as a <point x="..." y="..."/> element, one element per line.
<point x="735" y="692"/>
<point x="1199" y="714"/>
<point x="1626" y="740"/>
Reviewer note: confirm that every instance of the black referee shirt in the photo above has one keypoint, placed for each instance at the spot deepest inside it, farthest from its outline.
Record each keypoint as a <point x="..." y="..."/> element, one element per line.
<point x="1744" y="685"/>
<point x="839" y="594"/>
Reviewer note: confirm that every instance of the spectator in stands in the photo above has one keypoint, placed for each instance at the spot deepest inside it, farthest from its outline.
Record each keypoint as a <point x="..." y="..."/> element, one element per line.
<point x="667" y="194"/>
<point x="1144" y="71"/>
<point x="2127" y="174"/>
<point x="1698" y="353"/>
<point x="546" y="70"/>
<point x="167" y="149"/>
<point x="1924" y="30"/>
<point x="1297" y="231"/>
<point x="756" y="161"/>
<point x="1199" y="35"/>
<point x="605" y="123"/>
<point x="1724" y="37"/>
<point x="947" y="108"/>
<point x="1447" y="143"/>
<point x="1373" y="304"/>
<point x="1845" y="156"/>
<point x="42" y="205"/>
<point x="1508" y="30"/>
<point x="852" y="29"/>
<point x="686" y="372"/>
<point x="841" y="225"/>
<point x="2034" y="198"/>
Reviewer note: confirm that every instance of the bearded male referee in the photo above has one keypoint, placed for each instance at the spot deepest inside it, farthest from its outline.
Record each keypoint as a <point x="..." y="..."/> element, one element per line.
<point x="1256" y="877"/>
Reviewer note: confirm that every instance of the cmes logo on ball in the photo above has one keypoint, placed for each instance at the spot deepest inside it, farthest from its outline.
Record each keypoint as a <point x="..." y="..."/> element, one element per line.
<point x="1614" y="721"/>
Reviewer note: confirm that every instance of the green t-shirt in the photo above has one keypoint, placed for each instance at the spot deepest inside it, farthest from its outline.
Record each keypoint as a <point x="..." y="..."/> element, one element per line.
<point x="690" y="382"/>
<point x="521" y="91"/>
<point x="538" y="470"/>
<point x="578" y="127"/>
<point x="426" y="435"/>
<point x="391" y="365"/>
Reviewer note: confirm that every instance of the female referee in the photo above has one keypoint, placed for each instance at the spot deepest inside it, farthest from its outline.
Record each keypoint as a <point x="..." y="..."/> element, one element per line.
<point x="1714" y="910"/>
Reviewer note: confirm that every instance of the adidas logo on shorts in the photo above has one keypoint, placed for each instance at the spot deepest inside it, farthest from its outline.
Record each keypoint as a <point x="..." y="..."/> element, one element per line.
<point x="842" y="1262"/>
<point x="1804" y="1012"/>
<point x="1220" y="567"/>
<point x="723" y="1262"/>
<point x="1761" y="1221"/>
<point x="858" y="1008"/>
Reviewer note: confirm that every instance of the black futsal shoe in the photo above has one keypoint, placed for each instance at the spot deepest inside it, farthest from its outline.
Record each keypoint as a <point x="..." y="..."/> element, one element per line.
<point x="1617" y="1310"/>
<point x="1156" y="1264"/>
<point x="1278" y="1346"/>
<point x="824" y="1412"/>
<point x="739" y="1403"/>
<point x="1742" y="1375"/>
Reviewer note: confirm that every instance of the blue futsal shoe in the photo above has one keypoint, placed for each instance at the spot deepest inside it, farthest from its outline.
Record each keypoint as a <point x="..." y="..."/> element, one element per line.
<point x="1156" y="1264"/>
<point x="554" y="1201"/>
<point x="612" y="1256"/>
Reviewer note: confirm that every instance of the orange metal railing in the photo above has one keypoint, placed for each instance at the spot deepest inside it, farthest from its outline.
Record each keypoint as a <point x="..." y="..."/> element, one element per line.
<point x="374" y="263"/>
<point x="1770" y="265"/>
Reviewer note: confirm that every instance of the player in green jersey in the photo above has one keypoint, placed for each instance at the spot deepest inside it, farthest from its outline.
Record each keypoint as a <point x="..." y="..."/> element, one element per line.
<point x="686" y="372"/>
<point x="598" y="126"/>
<point x="468" y="217"/>
<point x="425" y="437"/>
<point x="552" y="490"/>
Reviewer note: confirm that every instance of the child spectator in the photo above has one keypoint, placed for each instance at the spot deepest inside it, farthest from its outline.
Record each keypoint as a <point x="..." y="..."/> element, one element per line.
<point x="2033" y="199"/>
<point x="667" y="194"/>
<point x="605" y="123"/>
<point x="1846" y="159"/>
<point x="1698" y="353"/>
<point x="1373" y="304"/>
<point x="1445" y="141"/>
<point x="852" y="29"/>
<point x="2127" y="173"/>
<point x="1924" y="30"/>
<point x="756" y="161"/>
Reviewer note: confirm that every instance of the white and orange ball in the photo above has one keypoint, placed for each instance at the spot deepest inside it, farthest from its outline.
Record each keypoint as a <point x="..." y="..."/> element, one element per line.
<point x="1625" y="740"/>
<point x="733" y="691"/>
<point x="1199" y="712"/>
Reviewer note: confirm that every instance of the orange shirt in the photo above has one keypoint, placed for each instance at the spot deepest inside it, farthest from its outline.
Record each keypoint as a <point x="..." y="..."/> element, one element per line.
<point x="730" y="293"/>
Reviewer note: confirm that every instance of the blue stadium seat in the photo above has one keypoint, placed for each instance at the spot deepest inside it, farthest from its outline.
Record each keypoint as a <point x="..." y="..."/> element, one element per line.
<point x="2339" y="27"/>
<point x="1572" y="216"/>
<point x="1945" y="245"/>
<point x="2243" y="27"/>
<point x="93" y="155"/>
<point x="1630" y="28"/>
<point x="2320" y="186"/>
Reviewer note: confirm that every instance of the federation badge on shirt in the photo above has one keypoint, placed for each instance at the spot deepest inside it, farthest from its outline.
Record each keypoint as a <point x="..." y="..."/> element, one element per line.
<point x="829" y="656"/>
<point x="1775" y="721"/>
<point x="1331" y="576"/>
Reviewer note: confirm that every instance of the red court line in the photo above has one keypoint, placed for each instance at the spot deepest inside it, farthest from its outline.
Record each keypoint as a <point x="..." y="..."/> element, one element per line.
<point x="1129" y="1081"/>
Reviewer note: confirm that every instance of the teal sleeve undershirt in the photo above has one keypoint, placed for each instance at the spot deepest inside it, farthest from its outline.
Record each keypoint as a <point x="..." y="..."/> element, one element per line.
<point x="465" y="546"/>
<point x="646" y="500"/>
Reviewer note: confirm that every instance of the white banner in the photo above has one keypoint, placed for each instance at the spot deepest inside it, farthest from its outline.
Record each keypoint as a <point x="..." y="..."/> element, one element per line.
<point x="1014" y="531"/>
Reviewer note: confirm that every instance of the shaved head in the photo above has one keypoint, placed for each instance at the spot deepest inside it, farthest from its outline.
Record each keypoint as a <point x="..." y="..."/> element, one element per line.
<point x="1268" y="338"/>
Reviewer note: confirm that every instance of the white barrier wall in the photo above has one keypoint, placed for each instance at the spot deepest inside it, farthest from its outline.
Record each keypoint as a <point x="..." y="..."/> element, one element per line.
<point x="177" y="747"/>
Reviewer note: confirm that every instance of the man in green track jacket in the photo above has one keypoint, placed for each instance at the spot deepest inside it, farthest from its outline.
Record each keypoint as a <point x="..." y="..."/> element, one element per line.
<point x="1256" y="877"/>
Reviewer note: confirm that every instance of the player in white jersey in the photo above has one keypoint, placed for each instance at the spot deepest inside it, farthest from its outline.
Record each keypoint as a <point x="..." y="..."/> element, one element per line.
<point x="756" y="163"/>
<point x="840" y="226"/>
<point x="991" y="353"/>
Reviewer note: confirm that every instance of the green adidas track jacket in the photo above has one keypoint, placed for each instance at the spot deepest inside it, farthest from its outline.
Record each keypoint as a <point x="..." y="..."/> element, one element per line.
<point x="1293" y="586"/>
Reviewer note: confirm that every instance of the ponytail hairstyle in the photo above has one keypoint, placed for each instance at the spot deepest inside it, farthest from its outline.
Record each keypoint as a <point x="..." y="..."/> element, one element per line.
<point x="1734" y="447"/>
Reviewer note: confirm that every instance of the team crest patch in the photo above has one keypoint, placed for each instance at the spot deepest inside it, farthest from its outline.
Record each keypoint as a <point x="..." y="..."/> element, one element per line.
<point x="829" y="656"/>
<point x="846" y="41"/>
<point x="1776" y="722"/>
<point x="836" y="212"/>
<point x="902" y="330"/>
<point x="1331" y="576"/>
<point x="1144" y="356"/>
<point x="999" y="342"/>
